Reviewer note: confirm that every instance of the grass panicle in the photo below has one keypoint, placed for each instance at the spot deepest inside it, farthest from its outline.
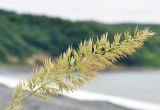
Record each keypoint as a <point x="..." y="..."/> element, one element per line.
<point x="74" y="67"/>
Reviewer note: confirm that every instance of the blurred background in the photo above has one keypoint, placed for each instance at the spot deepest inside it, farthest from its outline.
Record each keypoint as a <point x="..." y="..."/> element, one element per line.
<point x="32" y="31"/>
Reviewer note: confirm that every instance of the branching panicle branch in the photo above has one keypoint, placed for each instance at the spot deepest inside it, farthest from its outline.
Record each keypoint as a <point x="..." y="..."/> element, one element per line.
<point x="75" y="67"/>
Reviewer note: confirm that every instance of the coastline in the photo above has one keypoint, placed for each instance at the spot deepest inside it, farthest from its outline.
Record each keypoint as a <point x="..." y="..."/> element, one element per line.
<point x="93" y="99"/>
<point x="78" y="100"/>
<point x="60" y="102"/>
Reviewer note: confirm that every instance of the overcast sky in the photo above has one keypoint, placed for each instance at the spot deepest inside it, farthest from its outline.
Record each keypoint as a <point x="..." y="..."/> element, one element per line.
<point x="109" y="11"/>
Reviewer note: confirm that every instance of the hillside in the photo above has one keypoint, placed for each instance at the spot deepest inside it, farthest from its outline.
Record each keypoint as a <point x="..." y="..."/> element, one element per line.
<point x="22" y="36"/>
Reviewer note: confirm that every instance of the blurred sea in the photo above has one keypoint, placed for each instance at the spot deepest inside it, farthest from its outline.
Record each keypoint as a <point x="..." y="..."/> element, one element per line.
<point x="134" y="85"/>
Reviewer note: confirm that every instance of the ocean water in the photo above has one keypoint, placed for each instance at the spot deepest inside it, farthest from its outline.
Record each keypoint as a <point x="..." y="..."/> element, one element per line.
<point x="135" y="84"/>
<point x="126" y="88"/>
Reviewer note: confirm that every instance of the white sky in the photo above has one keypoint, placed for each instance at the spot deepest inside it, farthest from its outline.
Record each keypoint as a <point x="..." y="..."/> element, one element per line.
<point x="109" y="11"/>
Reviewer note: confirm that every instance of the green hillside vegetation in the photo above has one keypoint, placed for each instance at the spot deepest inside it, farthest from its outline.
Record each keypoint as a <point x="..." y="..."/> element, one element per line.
<point x="22" y="36"/>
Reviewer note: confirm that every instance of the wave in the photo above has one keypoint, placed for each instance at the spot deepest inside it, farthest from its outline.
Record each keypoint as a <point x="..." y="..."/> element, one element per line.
<point x="9" y="81"/>
<point x="124" y="102"/>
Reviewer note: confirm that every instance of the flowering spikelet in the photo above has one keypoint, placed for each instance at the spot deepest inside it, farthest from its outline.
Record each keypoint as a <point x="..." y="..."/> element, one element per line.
<point x="75" y="67"/>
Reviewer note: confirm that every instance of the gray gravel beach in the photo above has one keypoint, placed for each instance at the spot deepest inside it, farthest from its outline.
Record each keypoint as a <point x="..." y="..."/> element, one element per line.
<point x="58" y="103"/>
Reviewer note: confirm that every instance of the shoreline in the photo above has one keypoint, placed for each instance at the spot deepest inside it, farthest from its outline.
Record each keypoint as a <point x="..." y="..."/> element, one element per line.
<point x="60" y="102"/>
<point x="95" y="97"/>
<point x="82" y="97"/>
